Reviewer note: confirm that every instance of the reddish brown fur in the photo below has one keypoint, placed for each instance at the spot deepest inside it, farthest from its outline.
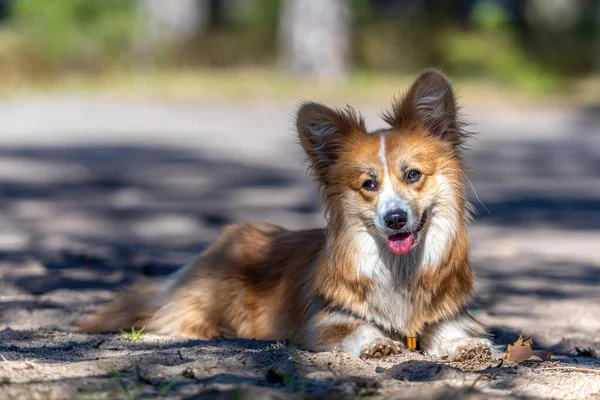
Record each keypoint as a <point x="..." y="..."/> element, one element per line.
<point x="249" y="283"/>
<point x="438" y="292"/>
<point x="332" y="334"/>
<point x="129" y="309"/>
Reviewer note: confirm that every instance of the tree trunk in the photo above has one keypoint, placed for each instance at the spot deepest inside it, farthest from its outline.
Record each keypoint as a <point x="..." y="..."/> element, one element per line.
<point x="172" y="22"/>
<point x="315" y="38"/>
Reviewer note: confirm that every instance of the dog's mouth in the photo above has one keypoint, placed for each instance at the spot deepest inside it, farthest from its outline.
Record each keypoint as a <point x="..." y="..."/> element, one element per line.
<point x="402" y="243"/>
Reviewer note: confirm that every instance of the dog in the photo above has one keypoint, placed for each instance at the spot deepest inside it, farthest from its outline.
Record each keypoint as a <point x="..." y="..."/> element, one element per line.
<point x="391" y="265"/>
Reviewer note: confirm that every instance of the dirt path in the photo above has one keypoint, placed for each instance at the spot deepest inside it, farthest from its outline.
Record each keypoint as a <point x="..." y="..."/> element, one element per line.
<point x="97" y="193"/>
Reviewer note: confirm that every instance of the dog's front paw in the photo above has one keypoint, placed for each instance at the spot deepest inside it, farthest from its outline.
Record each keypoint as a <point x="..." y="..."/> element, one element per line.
<point x="381" y="347"/>
<point x="480" y="351"/>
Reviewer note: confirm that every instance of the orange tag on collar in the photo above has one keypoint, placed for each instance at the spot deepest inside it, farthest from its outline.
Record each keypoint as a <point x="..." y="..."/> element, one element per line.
<point x="411" y="342"/>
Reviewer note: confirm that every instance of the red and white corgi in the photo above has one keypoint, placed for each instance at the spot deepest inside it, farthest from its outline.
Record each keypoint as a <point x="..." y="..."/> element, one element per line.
<point x="391" y="264"/>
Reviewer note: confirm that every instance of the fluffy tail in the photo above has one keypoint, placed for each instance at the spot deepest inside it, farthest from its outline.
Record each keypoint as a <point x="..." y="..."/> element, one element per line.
<point x="132" y="307"/>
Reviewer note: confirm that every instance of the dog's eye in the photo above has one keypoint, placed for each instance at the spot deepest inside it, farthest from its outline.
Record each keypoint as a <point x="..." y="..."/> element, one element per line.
<point x="370" y="185"/>
<point x="413" y="175"/>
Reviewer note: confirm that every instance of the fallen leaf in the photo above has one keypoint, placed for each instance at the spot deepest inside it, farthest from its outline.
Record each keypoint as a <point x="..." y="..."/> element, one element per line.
<point x="521" y="350"/>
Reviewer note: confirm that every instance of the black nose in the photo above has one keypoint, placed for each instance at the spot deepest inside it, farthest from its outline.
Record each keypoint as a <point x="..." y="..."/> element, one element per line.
<point x="395" y="219"/>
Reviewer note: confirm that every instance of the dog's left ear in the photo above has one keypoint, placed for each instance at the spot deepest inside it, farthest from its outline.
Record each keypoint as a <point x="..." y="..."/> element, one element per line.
<point x="429" y="104"/>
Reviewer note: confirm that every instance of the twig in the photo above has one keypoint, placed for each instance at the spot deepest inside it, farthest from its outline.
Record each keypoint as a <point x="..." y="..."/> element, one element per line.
<point x="575" y="369"/>
<point x="3" y="358"/>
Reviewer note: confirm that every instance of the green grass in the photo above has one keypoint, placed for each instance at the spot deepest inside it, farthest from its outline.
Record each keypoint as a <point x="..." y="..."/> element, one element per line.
<point x="134" y="334"/>
<point x="129" y="389"/>
<point x="297" y="380"/>
<point x="129" y="395"/>
<point x="168" y="386"/>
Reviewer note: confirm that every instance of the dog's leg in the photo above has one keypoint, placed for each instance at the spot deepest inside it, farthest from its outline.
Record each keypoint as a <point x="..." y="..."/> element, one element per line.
<point x="460" y="338"/>
<point x="332" y="331"/>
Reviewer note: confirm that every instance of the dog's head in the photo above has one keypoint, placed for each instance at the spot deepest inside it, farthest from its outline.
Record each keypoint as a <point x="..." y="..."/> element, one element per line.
<point x="396" y="182"/>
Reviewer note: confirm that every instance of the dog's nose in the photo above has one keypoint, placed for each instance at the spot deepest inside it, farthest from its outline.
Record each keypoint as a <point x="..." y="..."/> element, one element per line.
<point x="395" y="219"/>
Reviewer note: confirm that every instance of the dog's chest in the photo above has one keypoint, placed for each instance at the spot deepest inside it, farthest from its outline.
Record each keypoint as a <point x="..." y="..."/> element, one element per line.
<point x="389" y="306"/>
<point x="388" y="303"/>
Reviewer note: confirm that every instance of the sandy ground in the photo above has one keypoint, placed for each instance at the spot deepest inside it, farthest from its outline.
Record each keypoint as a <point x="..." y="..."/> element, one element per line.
<point x="97" y="193"/>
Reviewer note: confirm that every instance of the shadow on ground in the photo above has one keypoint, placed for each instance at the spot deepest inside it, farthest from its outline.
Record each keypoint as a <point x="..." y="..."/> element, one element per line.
<point x="527" y="183"/>
<point x="116" y="364"/>
<point x="79" y="222"/>
<point x="96" y="217"/>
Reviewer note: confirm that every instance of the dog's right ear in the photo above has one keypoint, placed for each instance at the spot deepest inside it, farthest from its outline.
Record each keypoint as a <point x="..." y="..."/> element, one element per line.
<point x="322" y="131"/>
<point x="430" y="103"/>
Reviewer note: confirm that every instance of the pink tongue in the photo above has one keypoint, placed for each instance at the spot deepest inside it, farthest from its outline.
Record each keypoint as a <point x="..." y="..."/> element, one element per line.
<point x="400" y="244"/>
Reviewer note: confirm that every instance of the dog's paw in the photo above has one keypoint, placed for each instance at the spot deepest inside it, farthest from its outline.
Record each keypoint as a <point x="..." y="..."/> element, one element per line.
<point x="481" y="351"/>
<point x="381" y="347"/>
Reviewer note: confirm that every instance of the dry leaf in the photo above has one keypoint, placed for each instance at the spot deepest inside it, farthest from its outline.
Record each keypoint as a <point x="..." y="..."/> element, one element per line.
<point x="521" y="350"/>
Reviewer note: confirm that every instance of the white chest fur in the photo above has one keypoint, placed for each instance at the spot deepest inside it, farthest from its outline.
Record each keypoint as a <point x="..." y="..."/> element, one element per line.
<point x="388" y="305"/>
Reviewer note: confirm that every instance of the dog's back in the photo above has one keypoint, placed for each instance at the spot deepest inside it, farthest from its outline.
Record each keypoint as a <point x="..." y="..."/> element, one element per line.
<point x="254" y="282"/>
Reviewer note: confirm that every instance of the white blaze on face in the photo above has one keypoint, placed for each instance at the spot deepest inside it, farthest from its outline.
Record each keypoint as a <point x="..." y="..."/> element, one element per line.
<point x="388" y="200"/>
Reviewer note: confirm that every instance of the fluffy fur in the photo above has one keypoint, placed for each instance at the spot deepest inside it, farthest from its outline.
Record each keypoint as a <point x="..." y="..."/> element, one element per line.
<point x="341" y="288"/>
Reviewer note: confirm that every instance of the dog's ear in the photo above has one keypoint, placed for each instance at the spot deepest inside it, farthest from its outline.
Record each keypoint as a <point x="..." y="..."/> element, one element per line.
<point x="429" y="104"/>
<point x="323" y="131"/>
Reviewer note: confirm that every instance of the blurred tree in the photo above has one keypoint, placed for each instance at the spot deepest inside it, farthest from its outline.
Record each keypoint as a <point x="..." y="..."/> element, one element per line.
<point x="563" y="34"/>
<point x="4" y="9"/>
<point x="172" y="23"/>
<point x="72" y="34"/>
<point x="315" y="38"/>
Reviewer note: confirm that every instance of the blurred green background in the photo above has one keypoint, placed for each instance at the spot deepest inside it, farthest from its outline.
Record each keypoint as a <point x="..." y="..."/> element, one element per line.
<point x="539" y="47"/>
